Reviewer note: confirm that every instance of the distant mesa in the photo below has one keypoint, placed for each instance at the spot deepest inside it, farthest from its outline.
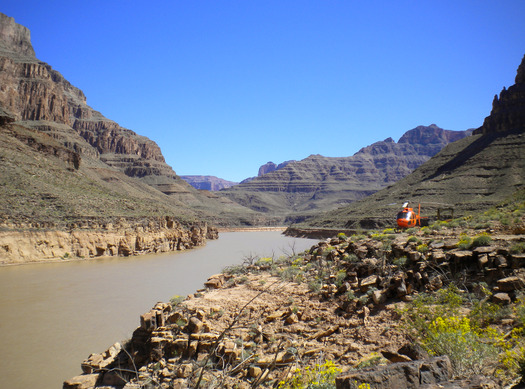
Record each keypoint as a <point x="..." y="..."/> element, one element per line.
<point x="211" y="183"/>
<point x="315" y="184"/>
<point x="271" y="167"/>
<point x="268" y="167"/>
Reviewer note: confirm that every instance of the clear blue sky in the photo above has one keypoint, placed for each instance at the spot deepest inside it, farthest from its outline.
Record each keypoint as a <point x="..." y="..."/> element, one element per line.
<point x="226" y="86"/>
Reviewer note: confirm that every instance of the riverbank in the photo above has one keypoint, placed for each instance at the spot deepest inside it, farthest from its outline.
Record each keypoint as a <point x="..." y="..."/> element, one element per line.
<point x="316" y="233"/>
<point x="250" y="229"/>
<point x="26" y="243"/>
<point x="340" y="301"/>
<point x="80" y="307"/>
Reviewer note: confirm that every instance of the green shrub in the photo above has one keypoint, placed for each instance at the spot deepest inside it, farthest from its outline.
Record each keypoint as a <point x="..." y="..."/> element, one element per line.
<point x="378" y="236"/>
<point x="350" y="257"/>
<point x="482" y="225"/>
<point x="400" y="262"/>
<point x="265" y="261"/>
<point x="422" y="248"/>
<point x="465" y="242"/>
<point x="340" y="277"/>
<point x="518" y="248"/>
<point x="176" y="300"/>
<point x="505" y="220"/>
<point x="467" y="347"/>
<point x="315" y="285"/>
<point x="342" y="235"/>
<point x="357" y="237"/>
<point x="481" y="240"/>
<point x="292" y="274"/>
<point x="485" y="312"/>
<point x="415" y="239"/>
<point x="234" y="269"/>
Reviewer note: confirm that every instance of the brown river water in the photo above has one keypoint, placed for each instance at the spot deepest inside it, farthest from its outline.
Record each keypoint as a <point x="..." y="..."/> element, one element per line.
<point x="54" y="315"/>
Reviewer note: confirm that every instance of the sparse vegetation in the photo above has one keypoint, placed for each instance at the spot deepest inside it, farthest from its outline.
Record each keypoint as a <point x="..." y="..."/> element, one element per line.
<point x="320" y="376"/>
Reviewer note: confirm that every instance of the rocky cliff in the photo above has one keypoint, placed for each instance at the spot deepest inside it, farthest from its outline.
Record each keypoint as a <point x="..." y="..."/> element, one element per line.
<point x="320" y="183"/>
<point x="33" y="91"/>
<point x="508" y="113"/>
<point x="468" y="176"/>
<point x="61" y="159"/>
<point x="90" y="239"/>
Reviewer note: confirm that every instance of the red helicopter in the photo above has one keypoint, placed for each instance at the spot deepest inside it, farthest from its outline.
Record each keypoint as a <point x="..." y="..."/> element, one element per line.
<point x="408" y="218"/>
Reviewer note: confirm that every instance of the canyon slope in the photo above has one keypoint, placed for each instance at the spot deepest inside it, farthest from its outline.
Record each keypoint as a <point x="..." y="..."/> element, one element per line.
<point x="65" y="169"/>
<point x="317" y="183"/>
<point x="468" y="176"/>
<point x="73" y="162"/>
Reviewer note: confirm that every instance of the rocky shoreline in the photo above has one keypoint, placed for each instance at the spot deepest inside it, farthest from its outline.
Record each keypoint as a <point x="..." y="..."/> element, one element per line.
<point x="340" y="302"/>
<point x="316" y="233"/>
<point x="94" y="238"/>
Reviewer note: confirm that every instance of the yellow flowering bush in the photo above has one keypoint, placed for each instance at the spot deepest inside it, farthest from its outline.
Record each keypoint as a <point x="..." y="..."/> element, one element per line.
<point x="468" y="348"/>
<point x="320" y="376"/>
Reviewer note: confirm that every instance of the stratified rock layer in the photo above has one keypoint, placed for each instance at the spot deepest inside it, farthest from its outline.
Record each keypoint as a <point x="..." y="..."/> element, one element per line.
<point x="90" y="239"/>
<point x="320" y="183"/>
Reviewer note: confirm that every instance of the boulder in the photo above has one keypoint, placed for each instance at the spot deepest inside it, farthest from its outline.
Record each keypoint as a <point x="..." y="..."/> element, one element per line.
<point x="510" y="284"/>
<point x="501" y="298"/>
<point x="368" y="282"/>
<point x="215" y="281"/>
<point x="405" y="375"/>
<point x="195" y="325"/>
<point x="85" y="381"/>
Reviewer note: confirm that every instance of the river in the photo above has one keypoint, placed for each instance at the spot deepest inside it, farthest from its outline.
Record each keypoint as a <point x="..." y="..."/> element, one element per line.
<point x="53" y="315"/>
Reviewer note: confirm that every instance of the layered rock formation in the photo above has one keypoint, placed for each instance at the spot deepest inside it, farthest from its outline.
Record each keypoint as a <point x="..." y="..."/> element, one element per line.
<point x="89" y="239"/>
<point x="62" y="159"/>
<point x="468" y="176"/>
<point x="33" y="91"/>
<point x="208" y="182"/>
<point x="320" y="183"/>
<point x="268" y="167"/>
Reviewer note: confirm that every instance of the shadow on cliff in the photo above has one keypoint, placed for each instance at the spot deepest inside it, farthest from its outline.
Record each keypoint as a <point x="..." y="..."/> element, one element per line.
<point x="467" y="153"/>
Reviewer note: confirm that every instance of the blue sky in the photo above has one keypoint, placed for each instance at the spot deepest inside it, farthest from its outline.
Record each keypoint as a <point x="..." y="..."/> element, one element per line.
<point x="226" y="86"/>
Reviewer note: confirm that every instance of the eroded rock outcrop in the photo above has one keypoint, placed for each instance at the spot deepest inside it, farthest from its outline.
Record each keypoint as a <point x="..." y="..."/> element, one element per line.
<point x="254" y="329"/>
<point x="507" y="112"/>
<point x="90" y="239"/>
